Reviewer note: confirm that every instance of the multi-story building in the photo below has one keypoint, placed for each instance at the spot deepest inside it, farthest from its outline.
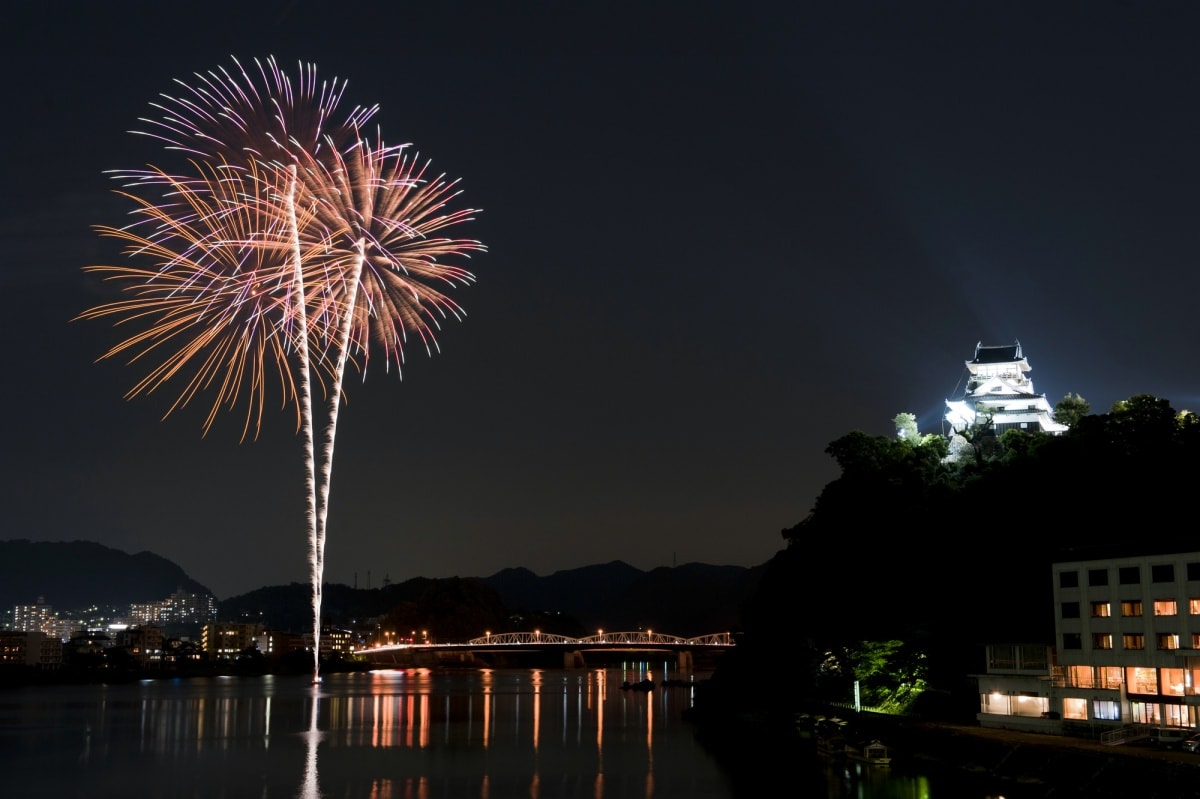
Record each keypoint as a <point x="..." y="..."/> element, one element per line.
<point x="999" y="392"/>
<point x="144" y="642"/>
<point x="1128" y="633"/>
<point x="1127" y="651"/>
<point x="32" y="617"/>
<point x="274" y="643"/>
<point x="1015" y="693"/>
<point x="225" y="640"/>
<point x="179" y="608"/>
<point x="30" y="648"/>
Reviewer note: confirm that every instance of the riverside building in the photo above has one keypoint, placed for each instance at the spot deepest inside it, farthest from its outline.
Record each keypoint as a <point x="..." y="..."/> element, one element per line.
<point x="1126" y="656"/>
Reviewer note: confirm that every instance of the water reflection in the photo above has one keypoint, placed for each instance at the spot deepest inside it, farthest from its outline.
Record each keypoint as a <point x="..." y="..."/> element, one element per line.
<point x="407" y="734"/>
<point x="549" y="717"/>
<point x="311" y="788"/>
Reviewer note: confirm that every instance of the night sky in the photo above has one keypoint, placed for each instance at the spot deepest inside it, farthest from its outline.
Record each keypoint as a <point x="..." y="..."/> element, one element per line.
<point x="720" y="237"/>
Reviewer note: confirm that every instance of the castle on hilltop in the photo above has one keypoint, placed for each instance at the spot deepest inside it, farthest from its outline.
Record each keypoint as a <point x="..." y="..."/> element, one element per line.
<point x="999" y="392"/>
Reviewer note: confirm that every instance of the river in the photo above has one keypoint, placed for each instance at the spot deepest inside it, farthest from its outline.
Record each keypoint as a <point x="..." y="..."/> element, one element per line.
<point x="397" y="734"/>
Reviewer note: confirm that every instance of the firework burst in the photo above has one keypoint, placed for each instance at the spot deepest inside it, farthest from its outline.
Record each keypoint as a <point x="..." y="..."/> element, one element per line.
<point x="295" y="244"/>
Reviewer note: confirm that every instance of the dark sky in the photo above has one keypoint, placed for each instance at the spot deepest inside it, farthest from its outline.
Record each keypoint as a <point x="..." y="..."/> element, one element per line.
<point x="720" y="237"/>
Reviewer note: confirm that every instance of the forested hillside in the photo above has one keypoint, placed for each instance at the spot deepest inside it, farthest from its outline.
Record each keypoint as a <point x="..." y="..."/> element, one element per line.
<point x="949" y="555"/>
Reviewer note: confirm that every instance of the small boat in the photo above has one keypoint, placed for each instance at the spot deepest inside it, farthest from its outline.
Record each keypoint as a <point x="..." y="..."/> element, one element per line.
<point x="874" y="753"/>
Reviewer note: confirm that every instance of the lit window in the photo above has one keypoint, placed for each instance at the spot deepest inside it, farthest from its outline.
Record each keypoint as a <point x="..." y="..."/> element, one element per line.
<point x="1164" y="607"/>
<point x="1081" y="677"/>
<point x="1171" y="681"/>
<point x="1194" y="607"/>
<point x="1106" y="710"/>
<point x="1131" y="607"/>
<point x="1075" y="708"/>
<point x="1101" y="609"/>
<point x="1102" y="641"/>
<point x="1168" y="641"/>
<point x="1142" y="680"/>
<point x="1133" y="641"/>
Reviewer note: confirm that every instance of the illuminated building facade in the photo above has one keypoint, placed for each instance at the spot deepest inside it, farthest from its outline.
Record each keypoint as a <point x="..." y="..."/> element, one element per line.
<point x="1127" y="653"/>
<point x="226" y="640"/>
<point x="1000" y="390"/>
<point x="179" y="608"/>
<point x="1128" y="633"/>
<point x="32" y="617"/>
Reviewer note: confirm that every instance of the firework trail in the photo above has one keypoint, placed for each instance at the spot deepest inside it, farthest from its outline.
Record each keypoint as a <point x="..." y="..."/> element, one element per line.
<point x="295" y="235"/>
<point x="378" y="217"/>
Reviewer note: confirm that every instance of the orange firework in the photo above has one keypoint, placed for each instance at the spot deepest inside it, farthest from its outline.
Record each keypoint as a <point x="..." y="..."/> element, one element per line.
<point x="295" y="245"/>
<point x="210" y="296"/>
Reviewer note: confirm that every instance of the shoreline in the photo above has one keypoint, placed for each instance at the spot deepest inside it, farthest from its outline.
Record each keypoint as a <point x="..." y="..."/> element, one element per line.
<point x="1007" y="763"/>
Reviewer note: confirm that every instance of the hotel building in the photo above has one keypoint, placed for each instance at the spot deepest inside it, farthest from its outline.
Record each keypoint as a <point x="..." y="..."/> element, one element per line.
<point x="1126" y="655"/>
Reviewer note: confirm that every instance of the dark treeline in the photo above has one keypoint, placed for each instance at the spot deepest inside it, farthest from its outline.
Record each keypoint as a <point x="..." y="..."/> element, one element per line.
<point x="948" y="555"/>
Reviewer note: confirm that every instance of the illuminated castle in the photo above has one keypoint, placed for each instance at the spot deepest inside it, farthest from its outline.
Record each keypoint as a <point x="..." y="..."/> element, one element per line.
<point x="999" y="391"/>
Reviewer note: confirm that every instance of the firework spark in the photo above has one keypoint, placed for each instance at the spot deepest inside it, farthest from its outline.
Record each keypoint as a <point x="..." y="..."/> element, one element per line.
<point x="214" y="305"/>
<point x="296" y="244"/>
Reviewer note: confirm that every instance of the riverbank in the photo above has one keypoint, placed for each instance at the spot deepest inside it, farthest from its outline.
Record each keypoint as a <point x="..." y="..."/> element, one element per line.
<point x="1006" y="763"/>
<point x="1034" y="766"/>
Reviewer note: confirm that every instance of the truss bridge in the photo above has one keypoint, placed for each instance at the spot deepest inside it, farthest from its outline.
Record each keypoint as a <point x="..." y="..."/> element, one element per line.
<point x="550" y="650"/>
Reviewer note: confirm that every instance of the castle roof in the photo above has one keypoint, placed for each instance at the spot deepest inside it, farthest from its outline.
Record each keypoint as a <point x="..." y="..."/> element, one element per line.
<point x="1007" y="353"/>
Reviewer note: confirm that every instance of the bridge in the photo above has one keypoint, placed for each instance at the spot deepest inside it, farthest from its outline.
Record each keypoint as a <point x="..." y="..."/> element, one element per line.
<point x="507" y="649"/>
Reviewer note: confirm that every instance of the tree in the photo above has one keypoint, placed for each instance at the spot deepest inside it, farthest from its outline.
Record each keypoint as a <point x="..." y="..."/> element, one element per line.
<point x="906" y="427"/>
<point x="1070" y="409"/>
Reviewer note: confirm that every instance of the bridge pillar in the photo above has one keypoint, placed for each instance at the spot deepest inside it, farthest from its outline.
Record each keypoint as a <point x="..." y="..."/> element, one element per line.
<point x="573" y="660"/>
<point x="684" y="663"/>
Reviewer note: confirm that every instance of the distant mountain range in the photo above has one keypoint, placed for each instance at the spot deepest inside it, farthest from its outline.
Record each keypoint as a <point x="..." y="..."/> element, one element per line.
<point x="78" y="574"/>
<point x="691" y="599"/>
